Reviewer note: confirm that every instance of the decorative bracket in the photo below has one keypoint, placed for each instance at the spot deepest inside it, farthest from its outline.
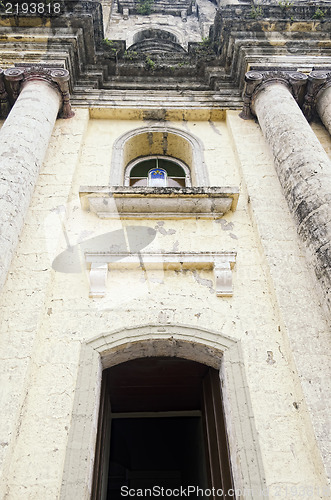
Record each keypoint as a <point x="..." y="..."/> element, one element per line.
<point x="14" y="78"/>
<point x="221" y="262"/>
<point x="98" y="279"/>
<point x="223" y="277"/>
<point x="258" y="80"/>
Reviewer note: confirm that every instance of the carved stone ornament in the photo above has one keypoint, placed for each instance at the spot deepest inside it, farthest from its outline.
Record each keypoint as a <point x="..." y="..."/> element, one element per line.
<point x="317" y="81"/>
<point x="13" y="79"/>
<point x="255" y="81"/>
<point x="4" y="98"/>
<point x="222" y="264"/>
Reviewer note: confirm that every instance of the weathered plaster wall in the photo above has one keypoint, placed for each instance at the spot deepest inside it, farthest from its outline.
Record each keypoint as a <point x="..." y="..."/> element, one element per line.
<point x="48" y="317"/>
<point x="24" y="301"/>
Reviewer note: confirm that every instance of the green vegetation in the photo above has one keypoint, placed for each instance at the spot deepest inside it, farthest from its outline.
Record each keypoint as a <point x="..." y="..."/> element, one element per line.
<point x="150" y="63"/>
<point x="256" y="11"/>
<point x="145" y="7"/>
<point x="205" y="41"/>
<point x="204" y="47"/>
<point x="319" y="14"/>
<point x="111" y="46"/>
<point x="130" y="55"/>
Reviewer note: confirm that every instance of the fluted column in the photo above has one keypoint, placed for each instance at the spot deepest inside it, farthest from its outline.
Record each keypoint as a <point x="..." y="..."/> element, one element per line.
<point x="303" y="167"/>
<point x="38" y="95"/>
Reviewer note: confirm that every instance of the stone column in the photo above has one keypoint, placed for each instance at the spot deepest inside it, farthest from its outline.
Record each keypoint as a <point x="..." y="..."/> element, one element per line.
<point x="318" y="97"/>
<point x="303" y="167"/>
<point x="38" y="94"/>
<point x="323" y="106"/>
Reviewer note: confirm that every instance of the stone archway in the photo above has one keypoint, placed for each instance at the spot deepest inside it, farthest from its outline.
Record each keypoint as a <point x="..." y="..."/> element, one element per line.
<point x="158" y="140"/>
<point x="209" y="347"/>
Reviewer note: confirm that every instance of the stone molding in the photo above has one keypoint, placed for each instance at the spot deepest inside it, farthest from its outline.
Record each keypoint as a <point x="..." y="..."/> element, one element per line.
<point x="318" y="81"/>
<point x="222" y="264"/>
<point x="153" y="203"/>
<point x="168" y="7"/>
<point x="256" y="81"/>
<point x="198" y="168"/>
<point x="212" y="348"/>
<point x="77" y="36"/>
<point x="12" y="80"/>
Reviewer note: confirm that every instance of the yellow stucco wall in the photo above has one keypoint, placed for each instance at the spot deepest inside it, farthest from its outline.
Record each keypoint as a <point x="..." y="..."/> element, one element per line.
<point x="274" y="312"/>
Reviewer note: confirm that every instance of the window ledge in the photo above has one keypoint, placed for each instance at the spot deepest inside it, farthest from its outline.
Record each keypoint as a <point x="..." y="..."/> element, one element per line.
<point x="155" y="202"/>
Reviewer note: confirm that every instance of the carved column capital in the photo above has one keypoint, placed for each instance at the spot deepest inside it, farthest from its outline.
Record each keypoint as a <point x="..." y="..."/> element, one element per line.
<point x="61" y="78"/>
<point x="256" y="81"/>
<point x="317" y="81"/>
<point x="16" y="78"/>
<point x="13" y="78"/>
<point x="253" y="80"/>
<point x="4" y="98"/>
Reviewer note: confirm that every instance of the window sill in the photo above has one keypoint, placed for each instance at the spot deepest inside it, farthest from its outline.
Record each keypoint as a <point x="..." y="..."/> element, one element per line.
<point x="153" y="203"/>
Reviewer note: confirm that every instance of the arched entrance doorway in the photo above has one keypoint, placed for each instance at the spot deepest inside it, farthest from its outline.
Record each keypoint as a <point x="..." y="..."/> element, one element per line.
<point x="112" y="348"/>
<point x="161" y="425"/>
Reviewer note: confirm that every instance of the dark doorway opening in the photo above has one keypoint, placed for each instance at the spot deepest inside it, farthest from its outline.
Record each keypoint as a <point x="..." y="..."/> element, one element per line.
<point x="161" y="425"/>
<point x="162" y="452"/>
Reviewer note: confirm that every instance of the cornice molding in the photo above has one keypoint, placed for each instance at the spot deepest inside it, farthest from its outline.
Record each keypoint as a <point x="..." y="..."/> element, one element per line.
<point x="279" y="36"/>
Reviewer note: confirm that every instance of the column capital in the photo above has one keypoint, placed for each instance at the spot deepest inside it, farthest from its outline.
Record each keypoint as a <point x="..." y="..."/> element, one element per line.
<point x="4" y="98"/>
<point x="318" y="81"/>
<point x="16" y="78"/>
<point x="255" y="81"/>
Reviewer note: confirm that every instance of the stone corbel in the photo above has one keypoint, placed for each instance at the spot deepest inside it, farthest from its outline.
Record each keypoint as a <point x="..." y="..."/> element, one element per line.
<point x="317" y="81"/>
<point x="255" y="81"/>
<point x="98" y="279"/>
<point x="57" y="77"/>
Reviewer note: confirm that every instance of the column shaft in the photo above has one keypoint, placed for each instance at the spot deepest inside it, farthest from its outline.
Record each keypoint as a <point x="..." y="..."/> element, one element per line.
<point x="323" y="107"/>
<point x="24" y="139"/>
<point x="304" y="171"/>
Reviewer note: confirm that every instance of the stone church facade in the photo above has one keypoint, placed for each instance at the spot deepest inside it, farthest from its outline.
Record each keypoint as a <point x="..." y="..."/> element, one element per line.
<point x="165" y="247"/>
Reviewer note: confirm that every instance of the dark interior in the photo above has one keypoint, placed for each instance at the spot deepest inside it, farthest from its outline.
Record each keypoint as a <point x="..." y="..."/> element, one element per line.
<point x="148" y="446"/>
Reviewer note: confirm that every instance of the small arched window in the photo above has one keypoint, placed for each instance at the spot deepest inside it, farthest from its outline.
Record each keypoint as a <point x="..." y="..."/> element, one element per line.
<point x="157" y="171"/>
